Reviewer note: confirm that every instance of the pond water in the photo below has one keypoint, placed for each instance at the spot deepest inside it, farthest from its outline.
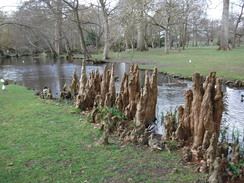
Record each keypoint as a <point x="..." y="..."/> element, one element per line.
<point x="36" y="73"/>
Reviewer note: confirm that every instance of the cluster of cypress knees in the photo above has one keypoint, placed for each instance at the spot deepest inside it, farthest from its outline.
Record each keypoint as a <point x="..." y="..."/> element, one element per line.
<point x="196" y="132"/>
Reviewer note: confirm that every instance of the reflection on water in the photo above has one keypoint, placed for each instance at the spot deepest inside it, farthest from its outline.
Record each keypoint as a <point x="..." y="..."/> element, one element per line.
<point x="35" y="73"/>
<point x="233" y="116"/>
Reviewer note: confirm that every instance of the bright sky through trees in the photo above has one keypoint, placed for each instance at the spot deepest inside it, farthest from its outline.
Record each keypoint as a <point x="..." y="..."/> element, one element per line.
<point x="214" y="11"/>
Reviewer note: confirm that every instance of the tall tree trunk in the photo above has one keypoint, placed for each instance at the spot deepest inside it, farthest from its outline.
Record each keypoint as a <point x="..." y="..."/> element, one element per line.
<point x="184" y="37"/>
<point x="106" y="40"/>
<point x="52" y="49"/>
<point x="141" y="29"/>
<point x="58" y="28"/>
<point x="97" y="42"/>
<point x="140" y="37"/>
<point x="58" y="37"/>
<point x="56" y="9"/>
<point x="132" y="45"/>
<point x="126" y="43"/>
<point x="225" y="26"/>
<point x="239" y="41"/>
<point x="153" y="46"/>
<point x="106" y="29"/>
<point x="166" y="44"/>
<point x="75" y="9"/>
<point x="236" y="26"/>
<point x="82" y="39"/>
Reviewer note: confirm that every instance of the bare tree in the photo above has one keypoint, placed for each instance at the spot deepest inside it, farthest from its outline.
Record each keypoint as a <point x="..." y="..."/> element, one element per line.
<point x="238" y="21"/>
<point x="141" y="44"/>
<point x="225" y="26"/>
<point x="166" y="9"/>
<point x="74" y="6"/>
<point x="37" y="22"/>
<point x="5" y="35"/>
<point x="106" y="12"/>
<point x="127" y="19"/>
<point x="96" y="27"/>
<point x="55" y="6"/>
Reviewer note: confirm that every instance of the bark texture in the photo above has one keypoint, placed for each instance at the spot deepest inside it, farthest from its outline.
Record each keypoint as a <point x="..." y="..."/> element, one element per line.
<point x="203" y="109"/>
<point x="123" y="97"/>
<point x="225" y="26"/>
<point x="74" y="87"/>
<point x="136" y="104"/>
<point x="134" y="92"/>
<point x="65" y="94"/>
<point x="146" y="107"/>
<point x="97" y="90"/>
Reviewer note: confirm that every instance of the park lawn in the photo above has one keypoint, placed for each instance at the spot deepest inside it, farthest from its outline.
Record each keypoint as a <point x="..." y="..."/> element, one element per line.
<point x="50" y="141"/>
<point x="227" y="64"/>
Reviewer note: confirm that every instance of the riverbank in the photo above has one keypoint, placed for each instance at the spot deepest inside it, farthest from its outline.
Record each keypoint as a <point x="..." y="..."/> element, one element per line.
<point x="227" y="64"/>
<point x="50" y="141"/>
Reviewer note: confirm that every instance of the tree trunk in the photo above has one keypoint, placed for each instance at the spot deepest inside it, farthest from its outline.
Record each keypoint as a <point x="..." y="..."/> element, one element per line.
<point x="166" y="44"/>
<point x="75" y="9"/>
<point x="56" y="9"/>
<point x="140" y="37"/>
<point x="239" y="41"/>
<point x="97" y="42"/>
<point x="106" y="40"/>
<point x="106" y="29"/>
<point x="141" y="29"/>
<point x="225" y="26"/>
<point x="58" y="28"/>
<point x="184" y="34"/>
<point x="132" y="45"/>
<point x="126" y="44"/>
<point x="50" y="46"/>
<point x="153" y="46"/>
<point x="82" y="39"/>
<point x="236" y="26"/>
<point x="58" y="37"/>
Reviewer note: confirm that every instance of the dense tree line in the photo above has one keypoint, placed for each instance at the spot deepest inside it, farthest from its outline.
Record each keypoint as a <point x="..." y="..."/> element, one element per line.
<point x="66" y="26"/>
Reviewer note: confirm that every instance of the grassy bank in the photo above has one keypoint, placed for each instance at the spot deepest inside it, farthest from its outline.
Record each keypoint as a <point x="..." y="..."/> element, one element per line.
<point x="227" y="64"/>
<point x="50" y="141"/>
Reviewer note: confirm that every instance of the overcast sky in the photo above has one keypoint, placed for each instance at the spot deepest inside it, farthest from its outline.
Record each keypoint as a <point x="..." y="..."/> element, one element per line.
<point x="214" y="11"/>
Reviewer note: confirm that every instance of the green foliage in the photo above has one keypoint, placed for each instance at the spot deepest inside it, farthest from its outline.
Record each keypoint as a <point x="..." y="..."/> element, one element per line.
<point x="118" y="47"/>
<point x="223" y="133"/>
<point x="112" y="110"/>
<point x="24" y="51"/>
<point x="91" y="38"/>
<point x="235" y="168"/>
<point x="176" y="115"/>
<point x="74" y="50"/>
<point x="172" y="144"/>
<point x="162" y="118"/>
<point x="243" y="135"/>
<point x="235" y="135"/>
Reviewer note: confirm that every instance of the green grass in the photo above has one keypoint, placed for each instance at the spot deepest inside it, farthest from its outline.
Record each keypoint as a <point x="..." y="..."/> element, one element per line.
<point x="227" y="64"/>
<point x="50" y="141"/>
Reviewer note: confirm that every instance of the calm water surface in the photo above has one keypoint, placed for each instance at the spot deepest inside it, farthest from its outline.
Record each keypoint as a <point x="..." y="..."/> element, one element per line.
<point x="36" y="73"/>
